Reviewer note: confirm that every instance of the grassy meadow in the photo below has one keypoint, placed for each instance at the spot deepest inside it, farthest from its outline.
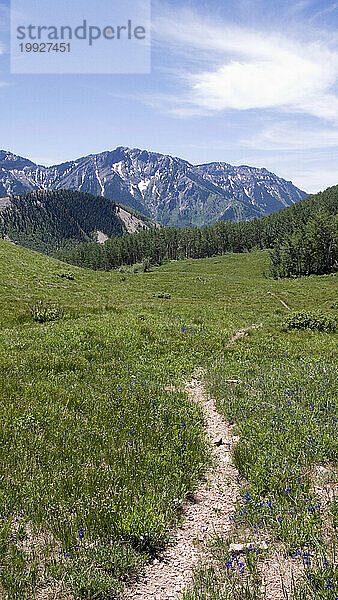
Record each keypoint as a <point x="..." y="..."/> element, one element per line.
<point x="284" y="408"/>
<point x="99" y="447"/>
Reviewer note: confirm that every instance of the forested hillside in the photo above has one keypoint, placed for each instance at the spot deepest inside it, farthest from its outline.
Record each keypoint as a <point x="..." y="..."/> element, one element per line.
<point x="303" y="238"/>
<point x="50" y="220"/>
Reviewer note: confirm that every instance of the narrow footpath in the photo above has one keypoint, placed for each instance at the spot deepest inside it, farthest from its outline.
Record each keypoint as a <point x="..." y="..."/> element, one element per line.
<point x="208" y="513"/>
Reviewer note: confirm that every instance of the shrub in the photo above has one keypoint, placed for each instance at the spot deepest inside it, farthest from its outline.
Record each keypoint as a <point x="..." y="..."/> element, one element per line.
<point x="311" y="320"/>
<point x="139" y="267"/>
<point x="67" y="275"/>
<point x="43" y="313"/>
<point x="142" y="267"/>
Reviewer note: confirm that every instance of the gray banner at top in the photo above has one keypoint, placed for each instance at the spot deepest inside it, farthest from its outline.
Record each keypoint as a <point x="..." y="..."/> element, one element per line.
<point x="81" y="36"/>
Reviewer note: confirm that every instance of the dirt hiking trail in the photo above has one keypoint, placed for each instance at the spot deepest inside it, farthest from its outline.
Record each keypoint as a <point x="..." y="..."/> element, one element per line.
<point x="213" y="503"/>
<point x="207" y="514"/>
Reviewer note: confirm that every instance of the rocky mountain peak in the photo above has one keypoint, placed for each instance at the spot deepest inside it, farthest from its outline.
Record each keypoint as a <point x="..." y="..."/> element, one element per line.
<point x="168" y="189"/>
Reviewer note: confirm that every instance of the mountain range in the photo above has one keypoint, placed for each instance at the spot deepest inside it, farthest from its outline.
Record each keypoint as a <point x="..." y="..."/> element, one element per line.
<point x="167" y="189"/>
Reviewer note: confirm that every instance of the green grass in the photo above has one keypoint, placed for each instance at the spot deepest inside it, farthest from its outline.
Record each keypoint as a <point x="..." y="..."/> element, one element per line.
<point x="284" y="406"/>
<point x="97" y="457"/>
<point x="227" y="576"/>
<point x="90" y="438"/>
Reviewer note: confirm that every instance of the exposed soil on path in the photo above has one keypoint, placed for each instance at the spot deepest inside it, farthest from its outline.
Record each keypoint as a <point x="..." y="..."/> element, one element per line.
<point x="280" y="300"/>
<point x="242" y="332"/>
<point x="207" y="514"/>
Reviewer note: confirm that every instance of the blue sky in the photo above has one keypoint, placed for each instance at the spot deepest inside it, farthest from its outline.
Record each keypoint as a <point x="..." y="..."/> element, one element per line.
<point x="245" y="81"/>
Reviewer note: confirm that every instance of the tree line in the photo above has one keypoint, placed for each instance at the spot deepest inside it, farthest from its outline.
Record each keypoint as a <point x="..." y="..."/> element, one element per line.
<point x="302" y="240"/>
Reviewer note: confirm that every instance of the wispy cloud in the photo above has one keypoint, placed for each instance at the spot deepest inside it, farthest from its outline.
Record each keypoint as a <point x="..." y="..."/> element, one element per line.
<point x="299" y="7"/>
<point x="248" y="69"/>
<point x="324" y="12"/>
<point x="315" y="180"/>
<point x="291" y="136"/>
<point x="3" y="83"/>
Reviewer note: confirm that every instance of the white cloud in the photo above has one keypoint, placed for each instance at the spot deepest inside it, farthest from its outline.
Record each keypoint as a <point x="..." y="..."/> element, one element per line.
<point x="315" y="180"/>
<point x="291" y="136"/>
<point x="242" y="69"/>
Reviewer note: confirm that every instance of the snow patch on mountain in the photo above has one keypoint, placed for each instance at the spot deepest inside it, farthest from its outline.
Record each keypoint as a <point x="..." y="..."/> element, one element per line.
<point x="167" y="189"/>
<point x="143" y="185"/>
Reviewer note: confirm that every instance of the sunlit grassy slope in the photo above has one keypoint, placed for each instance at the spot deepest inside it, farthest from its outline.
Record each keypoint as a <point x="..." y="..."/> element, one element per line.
<point x="231" y="287"/>
<point x="96" y="453"/>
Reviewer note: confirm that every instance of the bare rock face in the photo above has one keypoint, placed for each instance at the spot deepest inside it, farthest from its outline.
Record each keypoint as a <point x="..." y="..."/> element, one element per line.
<point x="165" y="188"/>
